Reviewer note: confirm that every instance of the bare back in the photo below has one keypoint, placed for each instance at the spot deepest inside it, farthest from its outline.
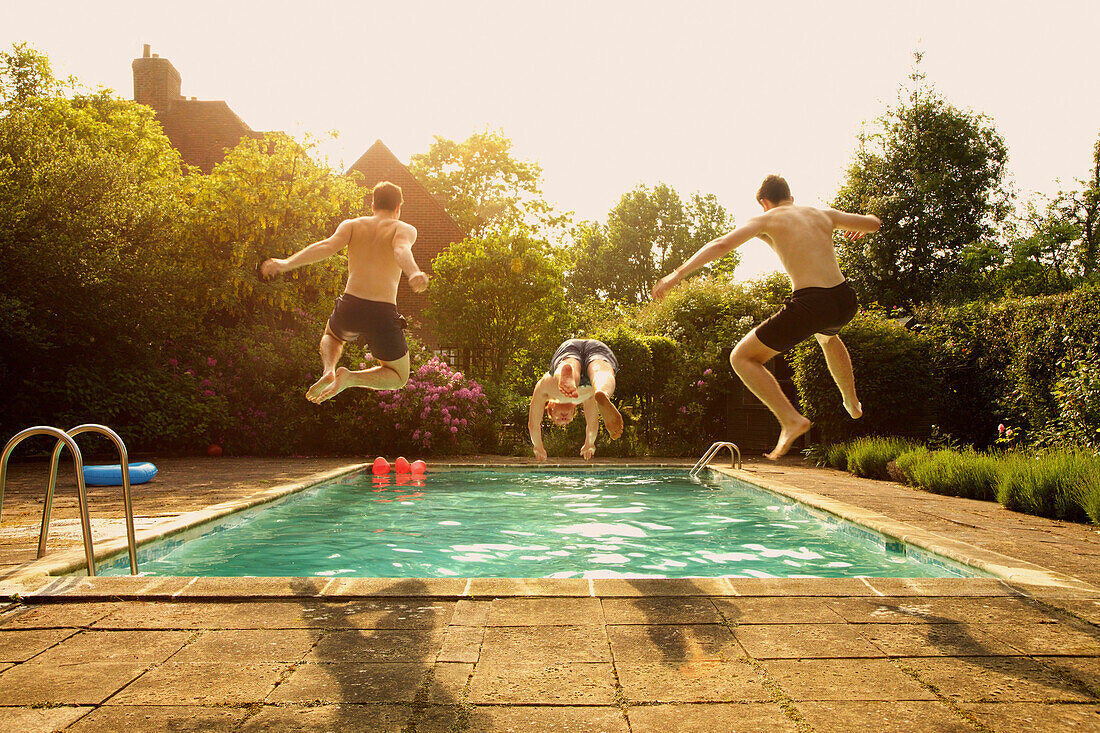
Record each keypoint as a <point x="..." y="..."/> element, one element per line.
<point x="802" y="237"/>
<point x="373" y="272"/>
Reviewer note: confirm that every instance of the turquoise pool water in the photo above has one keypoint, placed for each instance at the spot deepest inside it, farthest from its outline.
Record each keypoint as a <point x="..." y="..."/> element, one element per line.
<point x="537" y="523"/>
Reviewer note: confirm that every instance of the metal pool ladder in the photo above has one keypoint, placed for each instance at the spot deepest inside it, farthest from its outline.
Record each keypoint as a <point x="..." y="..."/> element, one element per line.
<point x="712" y="451"/>
<point x="66" y="439"/>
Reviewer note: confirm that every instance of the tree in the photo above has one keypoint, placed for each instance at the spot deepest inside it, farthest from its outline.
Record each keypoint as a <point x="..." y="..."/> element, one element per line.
<point x="933" y="174"/>
<point x="484" y="187"/>
<point x="649" y="232"/>
<point x="502" y="298"/>
<point x="269" y="198"/>
<point x="95" y="271"/>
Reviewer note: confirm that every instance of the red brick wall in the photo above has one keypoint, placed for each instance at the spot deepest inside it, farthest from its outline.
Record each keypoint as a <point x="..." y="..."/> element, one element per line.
<point x="435" y="229"/>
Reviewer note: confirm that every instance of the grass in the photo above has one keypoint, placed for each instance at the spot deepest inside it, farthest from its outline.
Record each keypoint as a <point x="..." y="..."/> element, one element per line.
<point x="1059" y="484"/>
<point x="868" y="457"/>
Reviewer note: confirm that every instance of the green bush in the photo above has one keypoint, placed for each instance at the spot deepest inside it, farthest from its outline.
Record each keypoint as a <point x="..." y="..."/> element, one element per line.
<point x="868" y="457"/>
<point x="1089" y="492"/>
<point x="893" y="379"/>
<point x="968" y="474"/>
<point x="1048" y="485"/>
<point x="906" y="462"/>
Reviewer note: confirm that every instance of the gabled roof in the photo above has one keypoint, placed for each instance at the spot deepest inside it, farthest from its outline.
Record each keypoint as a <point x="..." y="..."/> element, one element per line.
<point x="380" y="164"/>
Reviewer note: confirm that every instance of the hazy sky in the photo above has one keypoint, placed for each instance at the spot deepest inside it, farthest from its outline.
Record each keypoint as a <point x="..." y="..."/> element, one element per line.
<point x="704" y="96"/>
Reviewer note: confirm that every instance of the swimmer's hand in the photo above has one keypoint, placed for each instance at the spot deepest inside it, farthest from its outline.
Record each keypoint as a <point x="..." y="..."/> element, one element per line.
<point x="272" y="267"/>
<point x="418" y="281"/>
<point x="540" y="454"/>
<point x="666" y="283"/>
<point x="588" y="451"/>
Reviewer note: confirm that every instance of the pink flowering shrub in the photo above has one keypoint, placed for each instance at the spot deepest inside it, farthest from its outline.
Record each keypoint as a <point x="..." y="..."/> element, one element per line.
<point x="436" y="409"/>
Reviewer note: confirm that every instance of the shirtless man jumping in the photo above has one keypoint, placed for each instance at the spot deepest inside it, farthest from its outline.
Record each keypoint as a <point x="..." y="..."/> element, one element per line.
<point x="822" y="301"/>
<point x="379" y="250"/>
<point x="582" y="371"/>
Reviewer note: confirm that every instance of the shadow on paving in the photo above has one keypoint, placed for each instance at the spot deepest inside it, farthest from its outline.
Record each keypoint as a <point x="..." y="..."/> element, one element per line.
<point x="342" y="651"/>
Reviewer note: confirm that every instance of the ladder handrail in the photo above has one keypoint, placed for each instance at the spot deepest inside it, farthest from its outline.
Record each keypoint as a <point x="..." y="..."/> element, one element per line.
<point x="131" y="541"/>
<point x="78" y="461"/>
<point x="712" y="451"/>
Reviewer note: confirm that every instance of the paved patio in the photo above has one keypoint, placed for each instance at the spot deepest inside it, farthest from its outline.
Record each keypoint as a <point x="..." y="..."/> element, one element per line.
<point x="554" y="655"/>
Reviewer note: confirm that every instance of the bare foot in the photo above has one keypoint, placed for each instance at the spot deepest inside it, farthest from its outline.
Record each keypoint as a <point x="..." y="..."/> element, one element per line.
<point x="338" y="385"/>
<point x="612" y="420"/>
<point x="856" y="412"/>
<point x="787" y="436"/>
<point x="319" y="386"/>
<point x="567" y="381"/>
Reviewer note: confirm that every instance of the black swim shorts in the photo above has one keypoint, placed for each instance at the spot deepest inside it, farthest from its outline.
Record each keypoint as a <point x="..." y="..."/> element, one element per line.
<point x="808" y="311"/>
<point x="371" y="323"/>
<point x="585" y="351"/>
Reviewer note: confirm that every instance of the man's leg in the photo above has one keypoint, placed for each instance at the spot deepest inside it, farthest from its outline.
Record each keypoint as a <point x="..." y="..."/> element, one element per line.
<point x="331" y="348"/>
<point x="840" y="366"/>
<point x="603" y="381"/>
<point x="567" y="374"/>
<point x="747" y="359"/>
<point x="390" y="375"/>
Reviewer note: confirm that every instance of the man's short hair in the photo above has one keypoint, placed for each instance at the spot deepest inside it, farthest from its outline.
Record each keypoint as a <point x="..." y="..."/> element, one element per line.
<point x="774" y="189"/>
<point x="386" y="196"/>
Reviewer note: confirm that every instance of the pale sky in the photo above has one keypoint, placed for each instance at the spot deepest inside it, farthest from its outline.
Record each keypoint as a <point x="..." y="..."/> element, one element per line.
<point x="704" y="96"/>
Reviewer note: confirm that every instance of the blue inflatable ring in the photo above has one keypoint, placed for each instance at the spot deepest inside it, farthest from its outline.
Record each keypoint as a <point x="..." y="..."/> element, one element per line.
<point x="112" y="475"/>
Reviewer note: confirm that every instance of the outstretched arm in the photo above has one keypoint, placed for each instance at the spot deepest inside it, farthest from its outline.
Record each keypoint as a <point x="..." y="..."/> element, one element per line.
<point x="313" y="253"/>
<point x="707" y="253"/>
<point x="535" y="412"/>
<point x="855" y="224"/>
<point x="402" y="253"/>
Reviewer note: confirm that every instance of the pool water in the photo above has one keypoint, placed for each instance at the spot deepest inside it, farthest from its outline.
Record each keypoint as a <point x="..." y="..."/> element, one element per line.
<point x="537" y="523"/>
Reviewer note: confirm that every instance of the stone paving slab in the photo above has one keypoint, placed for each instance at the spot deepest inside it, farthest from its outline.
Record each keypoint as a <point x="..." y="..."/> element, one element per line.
<point x="545" y="612"/>
<point x="589" y="719"/>
<point x="35" y="683"/>
<point x="86" y="647"/>
<point x="782" y="610"/>
<point x="448" y="683"/>
<point x="672" y="643"/>
<point x="351" y="683"/>
<point x="1051" y="638"/>
<point x="329" y="718"/>
<point x="46" y="720"/>
<point x="519" y="683"/>
<point x="1085" y="670"/>
<point x="692" y="681"/>
<point x="660" y="611"/>
<point x="1029" y="717"/>
<point x="158" y="718"/>
<point x="56" y="616"/>
<point x="845" y="679"/>
<point x="936" y="640"/>
<point x="205" y="683"/>
<point x="884" y="717"/>
<point x="996" y="679"/>
<point x="461" y="644"/>
<point x="545" y="644"/>
<point x="372" y="646"/>
<point x="711" y="718"/>
<point x="21" y="645"/>
<point x="806" y="641"/>
<point x="248" y="646"/>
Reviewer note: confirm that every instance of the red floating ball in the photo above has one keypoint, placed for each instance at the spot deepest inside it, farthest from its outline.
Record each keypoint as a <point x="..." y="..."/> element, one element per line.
<point x="401" y="464"/>
<point x="214" y="451"/>
<point x="381" y="466"/>
<point x="419" y="466"/>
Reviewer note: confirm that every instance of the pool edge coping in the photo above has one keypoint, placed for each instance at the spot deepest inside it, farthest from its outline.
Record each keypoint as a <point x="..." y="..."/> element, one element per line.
<point x="47" y="578"/>
<point x="999" y="565"/>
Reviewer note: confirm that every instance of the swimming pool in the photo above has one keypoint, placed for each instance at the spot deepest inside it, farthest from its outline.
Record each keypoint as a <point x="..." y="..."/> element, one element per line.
<point x="556" y="523"/>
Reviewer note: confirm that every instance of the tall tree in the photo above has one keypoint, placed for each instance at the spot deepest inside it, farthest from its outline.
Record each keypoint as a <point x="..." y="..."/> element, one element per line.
<point x="934" y="175"/>
<point x="649" y="232"/>
<point x="485" y="187"/>
<point x="95" y="270"/>
<point x="502" y="298"/>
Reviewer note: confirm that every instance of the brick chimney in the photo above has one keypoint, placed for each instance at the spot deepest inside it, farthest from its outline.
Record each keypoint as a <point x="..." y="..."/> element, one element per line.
<point x="156" y="81"/>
